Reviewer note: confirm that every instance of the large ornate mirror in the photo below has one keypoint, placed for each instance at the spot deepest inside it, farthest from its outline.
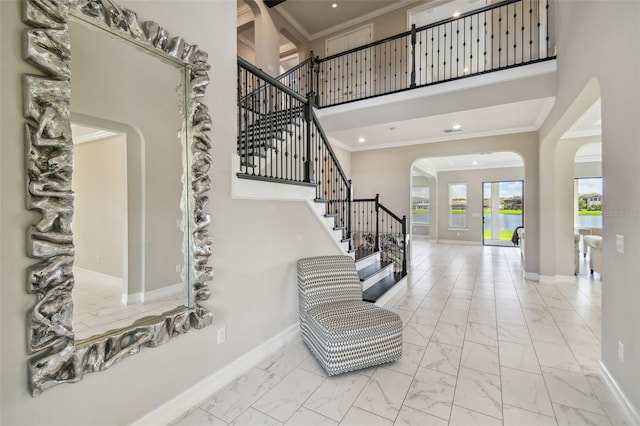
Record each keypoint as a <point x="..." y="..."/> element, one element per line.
<point x="120" y="176"/>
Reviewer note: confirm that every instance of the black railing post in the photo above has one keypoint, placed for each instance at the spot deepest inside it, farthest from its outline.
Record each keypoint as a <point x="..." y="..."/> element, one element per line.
<point x="349" y="214"/>
<point x="312" y="65"/>
<point x="404" y="245"/>
<point x="377" y="240"/>
<point x="308" y="118"/>
<point x="413" y="56"/>
<point x="315" y="67"/>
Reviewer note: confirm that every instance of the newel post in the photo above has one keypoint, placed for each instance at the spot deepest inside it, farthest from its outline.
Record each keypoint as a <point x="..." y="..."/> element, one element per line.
<point x="404" y="245"/>
<point x="377" y="243"/>
<point x="349" y="214"/>
<point x="308" y="118"/>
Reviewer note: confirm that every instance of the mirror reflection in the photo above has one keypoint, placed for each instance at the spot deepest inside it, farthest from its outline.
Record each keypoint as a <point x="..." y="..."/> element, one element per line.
<point x="128" y="183"/>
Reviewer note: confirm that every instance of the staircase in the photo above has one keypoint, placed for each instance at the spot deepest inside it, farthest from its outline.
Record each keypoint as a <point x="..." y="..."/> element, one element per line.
<point x="280" y="140"/>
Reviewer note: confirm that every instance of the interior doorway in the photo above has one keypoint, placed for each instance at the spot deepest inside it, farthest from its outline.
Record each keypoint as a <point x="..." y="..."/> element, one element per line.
<point x="502" y="212"/>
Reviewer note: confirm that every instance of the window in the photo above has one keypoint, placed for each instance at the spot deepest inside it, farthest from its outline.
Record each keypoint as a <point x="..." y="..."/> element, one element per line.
<point x="458" y="205"/>
<point x="420" y="205"/>
<point x="589" y="198"/>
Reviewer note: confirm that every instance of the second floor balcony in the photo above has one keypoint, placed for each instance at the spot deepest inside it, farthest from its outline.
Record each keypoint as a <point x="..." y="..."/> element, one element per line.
<point x="499" y="36"/>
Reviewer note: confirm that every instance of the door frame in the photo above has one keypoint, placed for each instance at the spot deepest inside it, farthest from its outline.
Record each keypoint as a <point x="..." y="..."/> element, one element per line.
<point x="482" y="197"/>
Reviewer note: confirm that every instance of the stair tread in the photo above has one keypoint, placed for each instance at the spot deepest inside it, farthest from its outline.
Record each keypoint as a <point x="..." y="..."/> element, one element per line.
<point x="378" y="289"/>
<point x="372" y="269"/>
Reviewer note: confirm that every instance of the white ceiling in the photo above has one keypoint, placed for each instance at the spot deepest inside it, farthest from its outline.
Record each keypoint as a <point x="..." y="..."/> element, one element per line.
<point x="494" y="120"/>
<point x="316" y="18"/>
<point x="467" y="162"/>
<point x="82" y="134"/>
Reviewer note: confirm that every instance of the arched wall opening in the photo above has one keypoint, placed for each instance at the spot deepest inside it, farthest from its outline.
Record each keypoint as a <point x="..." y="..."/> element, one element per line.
<point x="448" y="196"/>
<point x="557" y="156"/>
<point x="388" y="173"/>
<point x="133" y="254"/>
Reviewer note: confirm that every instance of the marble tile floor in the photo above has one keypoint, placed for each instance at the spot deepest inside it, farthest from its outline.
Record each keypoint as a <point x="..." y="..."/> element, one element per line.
<point x="97" y="305"/>
<point x="482" y="346"/>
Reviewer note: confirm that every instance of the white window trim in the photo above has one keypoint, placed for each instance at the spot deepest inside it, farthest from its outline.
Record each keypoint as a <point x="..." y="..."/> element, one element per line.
<point x="450" y="227"/>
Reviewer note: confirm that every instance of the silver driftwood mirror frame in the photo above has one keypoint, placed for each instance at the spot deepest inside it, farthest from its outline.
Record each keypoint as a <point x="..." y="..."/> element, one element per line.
<point x="60" y="357"/>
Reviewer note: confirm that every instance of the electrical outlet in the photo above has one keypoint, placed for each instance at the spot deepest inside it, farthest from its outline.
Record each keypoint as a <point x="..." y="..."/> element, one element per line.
<point x="457" y="234"/>
<point x="178" y="268"/>
<point x="178" y="223"/>
<point x="222" y="335"/>
<point x="620" y="351"/>
<point x="620" y="243"/>
<point x="98" y="259"/>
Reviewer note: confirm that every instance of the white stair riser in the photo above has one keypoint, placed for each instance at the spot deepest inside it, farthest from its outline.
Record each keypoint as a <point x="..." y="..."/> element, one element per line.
<point x="392" y="292"/>
<point x="363" y="263"/>
<point x="377" y="277"/>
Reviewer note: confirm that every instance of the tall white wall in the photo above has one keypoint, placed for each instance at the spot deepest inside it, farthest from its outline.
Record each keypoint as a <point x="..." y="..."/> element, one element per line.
<point x="256" y="244"/>
<point x="599" y="55"/>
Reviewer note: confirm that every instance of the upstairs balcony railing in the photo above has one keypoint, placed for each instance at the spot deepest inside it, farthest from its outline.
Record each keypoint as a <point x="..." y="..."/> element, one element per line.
<point x="496" y="37"/>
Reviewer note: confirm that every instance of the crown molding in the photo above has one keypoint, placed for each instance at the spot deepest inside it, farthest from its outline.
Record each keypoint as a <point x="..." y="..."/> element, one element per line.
<point x="94" y="136"/>
<point x="243" y="9"/>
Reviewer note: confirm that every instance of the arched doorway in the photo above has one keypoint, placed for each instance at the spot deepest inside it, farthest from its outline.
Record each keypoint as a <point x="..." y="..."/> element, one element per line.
<point x="449" y="197"/>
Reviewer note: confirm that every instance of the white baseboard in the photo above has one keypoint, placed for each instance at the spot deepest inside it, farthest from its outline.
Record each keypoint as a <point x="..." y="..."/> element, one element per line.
<point x="547" y="279"/>
<point x="98" y="275"/>
<point x="531" y="276"/>
<point x="133" y="298"/>
<point x="554" y="279"/>
<point x="628" y="410"/>
<point x="460" y="242"/>
<point x="159" y="293"/>
<point x="186" y="401"/>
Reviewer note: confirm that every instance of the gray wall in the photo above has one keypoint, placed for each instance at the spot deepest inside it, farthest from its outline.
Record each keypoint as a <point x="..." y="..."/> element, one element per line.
<point x="598" y="56"/>
<point x="256" y="244"/>
<point x="587" y="170"/>
<point x="474" y="180"/>
<point x="100" y="205"/>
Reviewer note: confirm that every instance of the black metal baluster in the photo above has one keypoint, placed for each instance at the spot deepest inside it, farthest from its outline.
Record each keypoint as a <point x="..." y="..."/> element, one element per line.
<point x="464" y="47"/>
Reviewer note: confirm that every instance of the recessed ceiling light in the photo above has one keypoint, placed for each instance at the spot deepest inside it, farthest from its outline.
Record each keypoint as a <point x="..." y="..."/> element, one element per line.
<point x="466" y="70"/>
<point x="334" y="5"/>
<point x="474" y="163"/>
<point x="456" y="14"/>
<point x="362" y="140"/>
<point x="455" y="128"/>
